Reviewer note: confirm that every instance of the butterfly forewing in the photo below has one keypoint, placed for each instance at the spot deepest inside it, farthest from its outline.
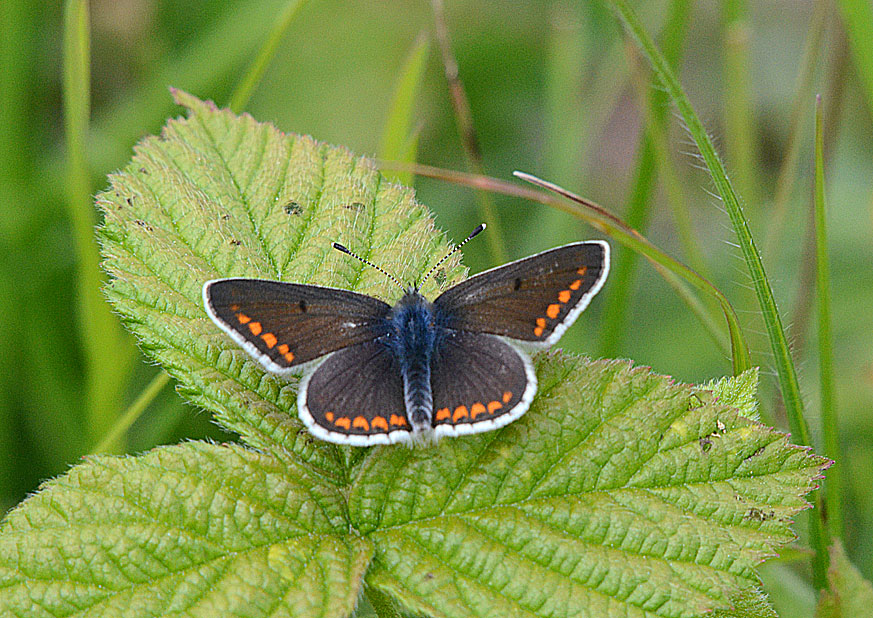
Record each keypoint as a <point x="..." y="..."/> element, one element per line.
<point x="284" y="325"/>
<point x="480" y="382"/>
<point x="355" y="397"/>
<point x="534" y="299"/>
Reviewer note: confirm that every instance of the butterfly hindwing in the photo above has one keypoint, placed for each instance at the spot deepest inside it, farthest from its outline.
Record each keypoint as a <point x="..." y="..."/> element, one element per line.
<point x="284" y="325"/>
<point x="480" y="382"/>
<point x="532" y="300"/>
<point x="355" y="397"/>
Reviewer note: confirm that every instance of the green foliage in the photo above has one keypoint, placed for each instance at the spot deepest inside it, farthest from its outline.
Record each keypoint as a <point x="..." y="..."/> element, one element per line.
<point x="554" y="88"/>
<point x="195" y="528"/>
<point x="738" y="391"/>
<point x="849" y="594"/>
<point x="619" y="492"/>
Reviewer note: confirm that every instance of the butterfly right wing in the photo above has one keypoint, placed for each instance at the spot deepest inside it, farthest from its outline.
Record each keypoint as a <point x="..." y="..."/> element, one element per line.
<point x="533" y="300"/>
<point x="284" y="325"/>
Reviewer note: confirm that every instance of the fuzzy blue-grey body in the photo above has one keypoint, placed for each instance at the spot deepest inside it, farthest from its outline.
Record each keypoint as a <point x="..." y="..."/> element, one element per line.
<point x="414" y="331"/>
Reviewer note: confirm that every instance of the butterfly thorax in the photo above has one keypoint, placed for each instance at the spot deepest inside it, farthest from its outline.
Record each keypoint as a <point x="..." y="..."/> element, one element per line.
<point x="413" y="335"/>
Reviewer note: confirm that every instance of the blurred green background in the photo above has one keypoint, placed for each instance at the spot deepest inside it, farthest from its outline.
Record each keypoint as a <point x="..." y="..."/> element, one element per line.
<point x="554" y="88"/>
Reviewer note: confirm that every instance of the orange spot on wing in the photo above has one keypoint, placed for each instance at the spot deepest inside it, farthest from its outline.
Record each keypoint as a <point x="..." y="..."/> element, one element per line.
<point x="442" y="414"/>
<point x="564" y="296"/>
<point x="243" y="318"/>
<point x="269" y="339"/>
<point x="494" y="406"/>
<point x="576" y="284"/>
<point x="538" y="331"/>
<point x="476" y="409"/>
<point x="289" y="356"/>
<point x="329" y="416"/>
<point x="361" y="423"/>
<point x="397" y="420"/>
<point x="553" y="310"/>
<point x="256" y="328"/>
<point x="234" y="308"/>
<point x="343" y="422"/>
<point x="460" y="412"/>
<point x="380" y="422"/>
<point x="283" y="349"/>
<point x="507" y="395"/>
<point x="582" y="270"/>
<point x="541" y="326"/>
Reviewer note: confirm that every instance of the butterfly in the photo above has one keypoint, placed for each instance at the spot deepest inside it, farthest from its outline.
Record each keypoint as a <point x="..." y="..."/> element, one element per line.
<point x="412" y="373"/>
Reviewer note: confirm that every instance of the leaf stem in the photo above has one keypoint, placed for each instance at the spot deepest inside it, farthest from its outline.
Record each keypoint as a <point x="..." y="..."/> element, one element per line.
<point x="653" y="103"/>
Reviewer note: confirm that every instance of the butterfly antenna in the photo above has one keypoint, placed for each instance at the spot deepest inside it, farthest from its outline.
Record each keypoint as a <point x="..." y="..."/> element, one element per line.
<point x="346" y="250"/>
<point x="473" y="234"/>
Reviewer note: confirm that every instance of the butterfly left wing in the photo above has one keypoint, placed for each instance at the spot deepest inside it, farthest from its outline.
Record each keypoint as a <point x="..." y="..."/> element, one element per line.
<point x="284" y="325"/>
<point x="355" y="397"/>
<point x="534" y="299"/>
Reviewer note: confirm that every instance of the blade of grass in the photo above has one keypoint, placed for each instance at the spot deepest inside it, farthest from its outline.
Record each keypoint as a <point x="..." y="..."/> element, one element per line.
<point x="107" y="352"/>
<point x="833" y="485"/>
<point x="202" y="66"/>
<point x="246" y="86"/>
<point x="739" y="116"/>
<point x="609" y="80"/>
<point x="469" y="140"/>
<point x="17" y="44"/>
<point x="398" y="137"/>
<point x="858" y="17"/>
<point x="132" y="413"/>
<point x="642" y="192"/>
<point x="663" y="263"/>
<point x="565" y="113"/>
<point x="609" y="224"/>
<point x="776" y="334"/>
<point x="564" y="109"/>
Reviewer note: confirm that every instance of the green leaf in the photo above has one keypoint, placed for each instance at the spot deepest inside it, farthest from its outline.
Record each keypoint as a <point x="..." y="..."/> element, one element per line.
<point x="220" y="195"/>
<point x="196" y="529"/>
<point x="849" y="594"/>
<point x="618" y="493"/>
<point x="750" y="603"/>
<point x="738" y="391"/>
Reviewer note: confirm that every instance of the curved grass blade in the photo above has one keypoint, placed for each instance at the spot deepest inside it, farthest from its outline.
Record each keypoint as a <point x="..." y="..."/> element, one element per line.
<point x="775" y="331"/>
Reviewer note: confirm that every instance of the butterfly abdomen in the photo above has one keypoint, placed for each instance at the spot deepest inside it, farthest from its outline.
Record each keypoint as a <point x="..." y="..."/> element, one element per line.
<point x="413" y="335"/>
